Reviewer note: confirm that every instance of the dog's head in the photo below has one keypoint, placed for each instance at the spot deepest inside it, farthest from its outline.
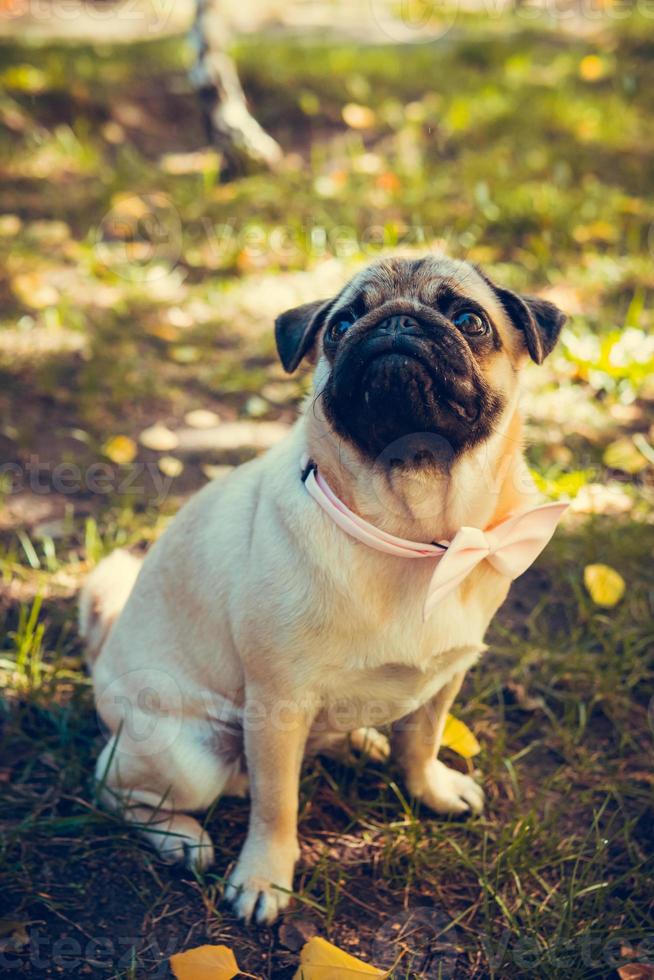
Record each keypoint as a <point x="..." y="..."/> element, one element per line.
<point x="417" y="349"/>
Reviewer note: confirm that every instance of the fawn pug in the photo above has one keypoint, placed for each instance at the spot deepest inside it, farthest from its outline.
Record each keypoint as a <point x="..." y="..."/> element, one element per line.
<point x="344" y="579"/>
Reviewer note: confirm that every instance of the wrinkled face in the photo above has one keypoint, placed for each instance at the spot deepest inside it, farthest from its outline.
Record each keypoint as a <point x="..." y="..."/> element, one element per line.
<point x="412" y="351"/>
<point x="426" y="350"/>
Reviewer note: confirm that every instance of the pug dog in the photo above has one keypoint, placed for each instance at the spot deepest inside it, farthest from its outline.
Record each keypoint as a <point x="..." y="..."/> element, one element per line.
<point x="286" y="610"/>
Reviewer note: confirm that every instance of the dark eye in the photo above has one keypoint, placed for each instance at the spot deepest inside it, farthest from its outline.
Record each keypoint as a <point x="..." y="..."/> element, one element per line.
<point x="471" y="323"/>
<point x="341" y="324"/>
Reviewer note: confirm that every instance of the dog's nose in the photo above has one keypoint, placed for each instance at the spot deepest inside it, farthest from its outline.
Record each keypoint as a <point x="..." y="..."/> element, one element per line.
<point x="400" y="323"/>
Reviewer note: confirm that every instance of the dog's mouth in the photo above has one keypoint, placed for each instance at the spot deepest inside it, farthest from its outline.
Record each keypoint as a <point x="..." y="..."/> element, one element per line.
<point x="447" y="392"/>
<point x="386" y="388"/>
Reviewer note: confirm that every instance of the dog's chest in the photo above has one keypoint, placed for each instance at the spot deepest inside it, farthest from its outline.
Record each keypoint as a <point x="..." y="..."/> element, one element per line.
<point x="387" y="670"/>
<point x="378" y="695"/>
<point x="381" y="660"/>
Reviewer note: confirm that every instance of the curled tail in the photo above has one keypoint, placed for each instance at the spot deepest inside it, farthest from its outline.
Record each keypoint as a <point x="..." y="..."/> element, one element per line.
<point x="103" y="596"/>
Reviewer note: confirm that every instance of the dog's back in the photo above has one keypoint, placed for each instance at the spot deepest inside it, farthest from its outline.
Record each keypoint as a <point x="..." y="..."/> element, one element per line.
<point x="102" y="598"/>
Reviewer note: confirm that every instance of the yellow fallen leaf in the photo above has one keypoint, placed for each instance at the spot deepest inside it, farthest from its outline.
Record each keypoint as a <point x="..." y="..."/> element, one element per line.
<point x="120" y="450"/>
<point x="24" y="78"/>
<point x="328" y="185"/>
<point x="605" y="585"/>
<point x="159" y="438"/>
<point x="320" y="960"/>
<point x="358" y="116"/>
<point x="205" y="963"/>
<point x="47" y="233"/>
<point x="32" y="289"/>
<point x="129" y="206"/>
<point x="368" y="163"/>
<point x="170" y="466"/>
<point x="592" y="68"/>
<point x="185" y="354"/>
<point x="458" y="737"/>
<point x="195" y="162"/>
<point x="113" y="132"/>
<point x="388" y="181"/>
<point x="163" y="331"/>
<point x="600" y="498"/>
<point x="202" y="418"/>
<point x="10" y="224"/>
<point x="596" y="231"/>
<point x="623" y="455"/>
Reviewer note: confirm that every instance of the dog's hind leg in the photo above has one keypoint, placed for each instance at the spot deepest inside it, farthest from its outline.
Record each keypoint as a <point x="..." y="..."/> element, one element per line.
<point x="176" y="837"/>
<point x="156" y="792"/>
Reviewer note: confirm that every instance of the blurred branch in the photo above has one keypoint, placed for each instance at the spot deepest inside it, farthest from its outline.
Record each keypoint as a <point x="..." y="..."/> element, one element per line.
<point x="230" y="126"/>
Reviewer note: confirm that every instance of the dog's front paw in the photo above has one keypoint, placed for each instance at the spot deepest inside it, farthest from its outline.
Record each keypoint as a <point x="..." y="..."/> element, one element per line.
<point x="446" y="790"/>
<point x="259" y="887"/>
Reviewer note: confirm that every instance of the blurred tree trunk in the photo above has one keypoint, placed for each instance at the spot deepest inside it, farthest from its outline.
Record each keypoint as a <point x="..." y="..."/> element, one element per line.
<point x="229" y="124"/>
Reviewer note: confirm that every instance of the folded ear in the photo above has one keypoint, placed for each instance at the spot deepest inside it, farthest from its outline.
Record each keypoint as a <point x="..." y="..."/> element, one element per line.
<point x="539" y="320"/>
<point x="295" y="331"/>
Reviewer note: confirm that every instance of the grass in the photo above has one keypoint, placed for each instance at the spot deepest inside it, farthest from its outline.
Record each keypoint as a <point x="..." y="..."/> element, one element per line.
<point x="517" y="151"/>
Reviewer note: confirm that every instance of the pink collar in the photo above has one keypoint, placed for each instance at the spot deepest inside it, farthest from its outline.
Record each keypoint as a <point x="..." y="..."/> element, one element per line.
<point x="510" y="547"/>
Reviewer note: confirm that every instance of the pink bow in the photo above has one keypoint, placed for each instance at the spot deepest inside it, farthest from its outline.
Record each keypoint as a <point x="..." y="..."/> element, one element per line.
<point x="510" y="547"/>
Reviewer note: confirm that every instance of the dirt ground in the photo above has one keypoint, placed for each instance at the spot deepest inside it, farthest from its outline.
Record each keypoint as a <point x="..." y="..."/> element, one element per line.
<point x="522" y="147"/>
